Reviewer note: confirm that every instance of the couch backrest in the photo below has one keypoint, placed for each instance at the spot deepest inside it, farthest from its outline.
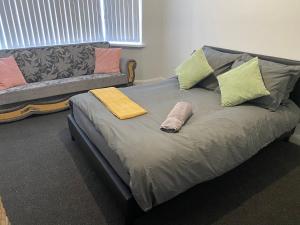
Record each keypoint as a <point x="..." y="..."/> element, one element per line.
<point x="55" y="62"/>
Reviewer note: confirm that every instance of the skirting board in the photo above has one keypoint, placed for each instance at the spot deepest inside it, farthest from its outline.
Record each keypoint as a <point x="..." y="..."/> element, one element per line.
<point x="153" y="80"/>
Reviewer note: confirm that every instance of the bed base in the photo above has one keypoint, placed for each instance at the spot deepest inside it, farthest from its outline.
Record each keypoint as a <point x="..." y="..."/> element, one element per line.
<point x="119" y="189"/>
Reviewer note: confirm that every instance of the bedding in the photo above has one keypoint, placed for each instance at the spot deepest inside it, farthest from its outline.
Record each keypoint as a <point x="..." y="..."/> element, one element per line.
<point x="278" y="78"/>
<point x="214" y="140"/>
<point x="220" y="62"/>
<point x="96" y="137"/>
<point x="193" y="70"/>
<point x="242" y="84"/>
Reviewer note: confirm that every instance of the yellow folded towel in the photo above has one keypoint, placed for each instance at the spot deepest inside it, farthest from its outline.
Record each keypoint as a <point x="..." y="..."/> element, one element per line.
<point x="118" y="103"/>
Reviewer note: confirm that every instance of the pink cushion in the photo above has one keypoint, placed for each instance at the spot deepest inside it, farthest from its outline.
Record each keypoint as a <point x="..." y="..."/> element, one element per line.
<point x="107" y="60"/>
<point x="10" y="74"/>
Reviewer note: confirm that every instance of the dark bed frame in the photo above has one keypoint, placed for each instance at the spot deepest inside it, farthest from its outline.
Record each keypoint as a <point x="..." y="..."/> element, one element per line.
<point x="119" y="189"/>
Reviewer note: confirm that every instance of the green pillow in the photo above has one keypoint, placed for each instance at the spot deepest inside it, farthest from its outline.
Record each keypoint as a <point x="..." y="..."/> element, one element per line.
<point x="242" y="84"/>
<point x="193" y="70"/>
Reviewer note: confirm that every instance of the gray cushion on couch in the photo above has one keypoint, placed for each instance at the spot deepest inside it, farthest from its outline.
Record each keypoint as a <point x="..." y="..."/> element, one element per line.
<point x="58" y="87"/>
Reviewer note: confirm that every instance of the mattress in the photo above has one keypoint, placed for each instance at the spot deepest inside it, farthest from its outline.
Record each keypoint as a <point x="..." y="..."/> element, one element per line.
<point x="161" y="165"/>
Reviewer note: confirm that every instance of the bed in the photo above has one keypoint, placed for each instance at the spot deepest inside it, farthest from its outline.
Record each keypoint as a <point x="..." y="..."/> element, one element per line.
<point x="146" y="167"/>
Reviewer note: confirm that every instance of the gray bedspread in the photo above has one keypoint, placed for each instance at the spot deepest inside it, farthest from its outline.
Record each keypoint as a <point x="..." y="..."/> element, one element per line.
<point x="213" y="141"/>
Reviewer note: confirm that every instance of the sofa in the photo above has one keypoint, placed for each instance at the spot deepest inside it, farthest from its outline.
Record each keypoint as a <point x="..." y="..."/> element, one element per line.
<point x="53" y="75"/>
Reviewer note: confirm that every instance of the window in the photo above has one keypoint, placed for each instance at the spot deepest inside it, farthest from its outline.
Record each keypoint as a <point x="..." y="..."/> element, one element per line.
<point x="28" y="23"/>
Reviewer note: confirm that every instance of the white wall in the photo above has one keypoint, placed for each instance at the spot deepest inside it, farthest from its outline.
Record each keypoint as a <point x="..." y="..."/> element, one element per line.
<point x="173" y="28"/>
<point x="149" y="58"/>
<point x="270" y="27"/>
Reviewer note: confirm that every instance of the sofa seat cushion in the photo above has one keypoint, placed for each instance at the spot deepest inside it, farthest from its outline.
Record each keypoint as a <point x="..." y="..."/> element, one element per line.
<point x="44" y="89"/>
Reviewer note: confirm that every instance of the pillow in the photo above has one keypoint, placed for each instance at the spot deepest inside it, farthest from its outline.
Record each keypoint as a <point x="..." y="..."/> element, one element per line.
<point x="294" y="72"/>
<point x="277" y="78"/>
<point x="107" y="60"/>
<point x="10" y="74"/>
<point x="194" y="69"/>
<point x="242" y="84"/>
<point x="220" y="62"/>
<point x="290" y="87"/>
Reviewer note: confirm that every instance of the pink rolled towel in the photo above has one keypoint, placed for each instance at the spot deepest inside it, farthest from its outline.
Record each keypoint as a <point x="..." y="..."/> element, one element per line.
<point x="181" y="112"/>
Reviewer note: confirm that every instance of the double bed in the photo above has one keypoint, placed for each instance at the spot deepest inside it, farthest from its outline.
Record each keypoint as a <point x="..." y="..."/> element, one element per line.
<point x="146" y="167"/>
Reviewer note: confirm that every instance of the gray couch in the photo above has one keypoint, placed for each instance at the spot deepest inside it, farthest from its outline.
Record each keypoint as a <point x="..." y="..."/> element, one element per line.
<point x="54" y="74"/>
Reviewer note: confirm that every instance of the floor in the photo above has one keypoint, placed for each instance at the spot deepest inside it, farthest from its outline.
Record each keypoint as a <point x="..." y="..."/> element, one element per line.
<point x="45" y="179"/>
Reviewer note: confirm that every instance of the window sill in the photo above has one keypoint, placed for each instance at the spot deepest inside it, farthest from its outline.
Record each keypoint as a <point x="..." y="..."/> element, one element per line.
<point x="127" y="44"/>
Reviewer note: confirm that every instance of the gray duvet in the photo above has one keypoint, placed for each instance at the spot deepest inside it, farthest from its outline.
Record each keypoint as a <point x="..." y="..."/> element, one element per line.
<point x="213" y="141"/>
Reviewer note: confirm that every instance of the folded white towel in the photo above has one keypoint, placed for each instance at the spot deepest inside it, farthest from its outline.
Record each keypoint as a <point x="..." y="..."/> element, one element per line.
<point x="181" y="112"/>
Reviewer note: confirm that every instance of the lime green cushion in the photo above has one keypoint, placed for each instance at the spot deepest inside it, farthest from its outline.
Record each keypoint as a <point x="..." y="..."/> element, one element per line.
<point x="242" y="84"/>
<point x="193" y="70"/>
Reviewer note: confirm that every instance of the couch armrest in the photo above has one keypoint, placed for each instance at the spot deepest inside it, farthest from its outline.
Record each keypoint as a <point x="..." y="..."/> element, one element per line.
<point x="128" y="67"/>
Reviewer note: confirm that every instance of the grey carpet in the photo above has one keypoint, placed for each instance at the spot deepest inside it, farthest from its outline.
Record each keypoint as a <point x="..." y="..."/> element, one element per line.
<point x="45" y="179"/>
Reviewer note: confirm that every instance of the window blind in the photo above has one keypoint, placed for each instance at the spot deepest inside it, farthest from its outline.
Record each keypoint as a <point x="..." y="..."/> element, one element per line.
<point x="28" y="23"/>
<point x="122" y="20"/>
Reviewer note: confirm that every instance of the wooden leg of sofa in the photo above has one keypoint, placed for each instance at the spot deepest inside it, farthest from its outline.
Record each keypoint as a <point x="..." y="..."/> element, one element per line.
<point x="131" y="66"/>
<point x="3" y="218"/>
<point x="32" y="109"/>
